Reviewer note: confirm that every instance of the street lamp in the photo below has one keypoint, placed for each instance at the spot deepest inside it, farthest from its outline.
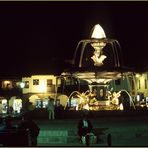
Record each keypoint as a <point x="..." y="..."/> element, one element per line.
<point x="22" y="85"/>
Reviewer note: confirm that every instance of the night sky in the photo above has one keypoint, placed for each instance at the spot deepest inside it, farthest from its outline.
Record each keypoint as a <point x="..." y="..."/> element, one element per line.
<point x="37" y="37"/>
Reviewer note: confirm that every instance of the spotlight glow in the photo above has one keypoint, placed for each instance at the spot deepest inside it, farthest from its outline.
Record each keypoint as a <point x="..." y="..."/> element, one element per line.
<point x="98" y="32"/>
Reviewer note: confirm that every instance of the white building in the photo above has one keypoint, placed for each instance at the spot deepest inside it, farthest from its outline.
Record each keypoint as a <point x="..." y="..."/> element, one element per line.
<point x="39" y="84"/>
<point x="39" y="87"/>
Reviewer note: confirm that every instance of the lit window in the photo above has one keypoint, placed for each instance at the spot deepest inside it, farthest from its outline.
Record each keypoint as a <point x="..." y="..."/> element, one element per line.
<point x="26" y="84"/>
<point x="6" y="84"/>
<point x="49" y="82"/>
<point x="36" y="82"/>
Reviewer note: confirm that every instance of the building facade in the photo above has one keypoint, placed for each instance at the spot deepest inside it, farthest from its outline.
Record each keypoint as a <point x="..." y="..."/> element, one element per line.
<point x="38" y="89"/>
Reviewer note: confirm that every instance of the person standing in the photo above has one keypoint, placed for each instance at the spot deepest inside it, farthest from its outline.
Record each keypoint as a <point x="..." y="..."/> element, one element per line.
<point x="51" y="108"/>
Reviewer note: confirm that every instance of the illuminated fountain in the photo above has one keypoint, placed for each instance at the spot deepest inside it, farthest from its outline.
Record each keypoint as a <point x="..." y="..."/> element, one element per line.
<point x="96" y="50"/>
<point x="98" y="61"/>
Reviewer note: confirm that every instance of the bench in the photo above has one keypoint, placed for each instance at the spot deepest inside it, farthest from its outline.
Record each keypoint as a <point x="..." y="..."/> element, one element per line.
<point x="14" y="137"/>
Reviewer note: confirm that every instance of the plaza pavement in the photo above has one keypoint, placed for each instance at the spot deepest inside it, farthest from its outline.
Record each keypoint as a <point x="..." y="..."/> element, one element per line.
<point x="124" y="130"/>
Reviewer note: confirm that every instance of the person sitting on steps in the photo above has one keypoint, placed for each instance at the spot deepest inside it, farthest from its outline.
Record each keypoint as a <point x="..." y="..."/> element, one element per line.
<point x="84" y="127"/>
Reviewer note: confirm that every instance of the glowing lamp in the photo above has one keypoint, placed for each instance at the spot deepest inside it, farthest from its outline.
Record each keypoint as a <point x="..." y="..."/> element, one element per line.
<point x="137" y="75"/>
<point x="98" y="32"/>
<point x="22" y="84"/>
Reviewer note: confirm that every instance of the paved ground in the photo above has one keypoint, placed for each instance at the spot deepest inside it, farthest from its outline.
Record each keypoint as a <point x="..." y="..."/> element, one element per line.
<point x="125" y="131"/>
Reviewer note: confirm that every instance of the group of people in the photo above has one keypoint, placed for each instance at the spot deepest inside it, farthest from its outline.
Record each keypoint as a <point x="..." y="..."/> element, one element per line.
<point x="26" y="123"/>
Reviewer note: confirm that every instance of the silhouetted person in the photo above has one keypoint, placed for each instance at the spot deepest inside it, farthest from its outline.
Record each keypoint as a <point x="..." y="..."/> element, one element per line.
<point x="84" y="128"/>
<point x="28" y="123"/>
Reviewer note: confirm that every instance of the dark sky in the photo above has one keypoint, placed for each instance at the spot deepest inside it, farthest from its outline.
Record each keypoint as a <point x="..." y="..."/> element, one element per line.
<point x="36" y="37"/>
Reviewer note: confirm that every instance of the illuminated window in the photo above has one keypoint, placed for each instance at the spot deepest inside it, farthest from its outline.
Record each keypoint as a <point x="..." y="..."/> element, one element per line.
<point x="7" y="84"/>
<point x="26" y="84"/>
<point x="49" y="82"/>
<point x="36" y="82"/>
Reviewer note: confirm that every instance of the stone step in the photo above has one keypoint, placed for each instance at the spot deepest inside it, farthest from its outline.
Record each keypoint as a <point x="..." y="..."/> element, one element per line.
<point x="52" y="140"/>
<point x="63" y="137"/>
<point x="58" y="136"/>
<point x="52" y="136"/>
<point x="48" y="133"/>
<point x="58" y="139"/>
